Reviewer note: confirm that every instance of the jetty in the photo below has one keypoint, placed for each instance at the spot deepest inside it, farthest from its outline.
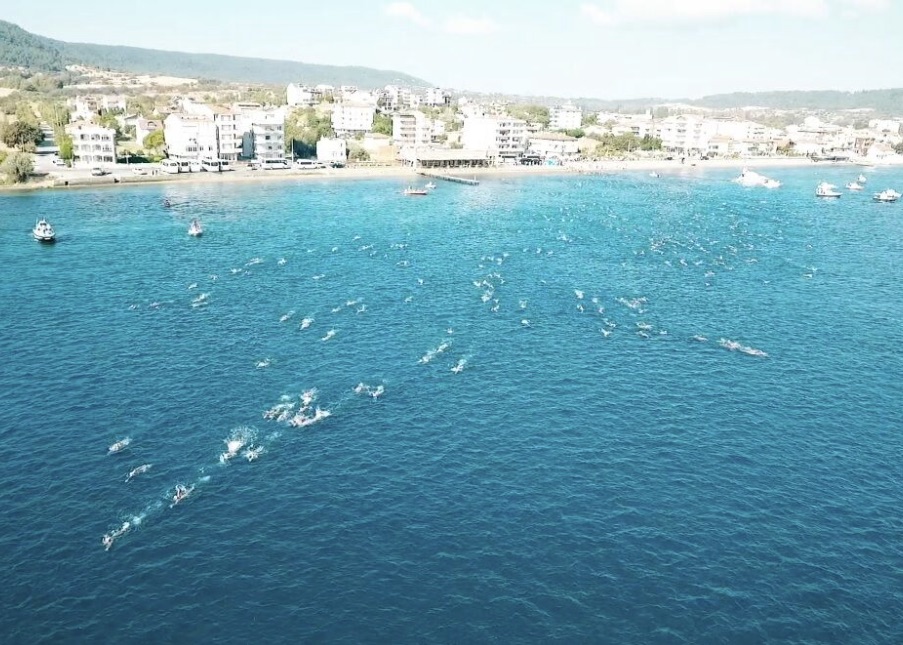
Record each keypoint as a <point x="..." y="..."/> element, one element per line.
<point x="452" y="178"/>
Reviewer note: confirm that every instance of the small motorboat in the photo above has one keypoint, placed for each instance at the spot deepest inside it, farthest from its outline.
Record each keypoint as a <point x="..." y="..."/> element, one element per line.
<point x="825" y="189"/>
<point x="43" y="231"/>
<point x="195" y="230"/>
<point x="411" y="191"/>
<point x="854" y="186"/>
<point x="752" y="179"/>
<point x="887" y="196"/>
<point x="654" y="175"/>
<point x="430" y="186"/>
<point x="862" y="179"/>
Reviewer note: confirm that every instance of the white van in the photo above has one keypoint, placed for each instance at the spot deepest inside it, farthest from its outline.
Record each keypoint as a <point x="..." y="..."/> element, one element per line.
<point x="211" y="165"/>
<point x="274" y="164"/>
<point x="309" y="164"/>
<point x="170" y="166"/>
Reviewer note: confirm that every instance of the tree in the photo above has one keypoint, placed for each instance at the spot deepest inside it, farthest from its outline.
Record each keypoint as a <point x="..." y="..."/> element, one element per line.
<point x="534" y="113"/>
<point x="899" y="148"/>
<point x="21" y="135"/>
<point x="66" y="149"/>
<point x="18" y="167"/>
<point x="577" y="133"/>
<point x="303" y="128"/>
<point x="356" y="153"/>
<point x="590" y="119"/>
<point x="154" y="141"/>
<point x="25" y="114"/>
<point x="382" y="124"/>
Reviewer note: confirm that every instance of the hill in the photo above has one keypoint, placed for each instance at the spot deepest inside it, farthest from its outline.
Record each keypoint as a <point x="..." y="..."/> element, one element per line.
<point x="888" y="101"/>
<point x="20" y="48"/>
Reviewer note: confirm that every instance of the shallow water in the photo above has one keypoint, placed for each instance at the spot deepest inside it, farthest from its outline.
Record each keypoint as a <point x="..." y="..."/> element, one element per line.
<point x="585" y="476"/>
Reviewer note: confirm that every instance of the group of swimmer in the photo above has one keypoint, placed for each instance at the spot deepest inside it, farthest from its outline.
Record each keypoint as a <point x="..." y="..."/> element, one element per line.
<point x="180" y="493"/>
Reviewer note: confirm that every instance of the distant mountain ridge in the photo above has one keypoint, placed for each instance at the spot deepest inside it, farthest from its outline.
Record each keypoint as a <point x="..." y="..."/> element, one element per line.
<point x="21" y="48"/>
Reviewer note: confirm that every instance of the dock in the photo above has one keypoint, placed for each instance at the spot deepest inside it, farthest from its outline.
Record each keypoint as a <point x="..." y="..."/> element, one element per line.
<point x="452" y="178"/>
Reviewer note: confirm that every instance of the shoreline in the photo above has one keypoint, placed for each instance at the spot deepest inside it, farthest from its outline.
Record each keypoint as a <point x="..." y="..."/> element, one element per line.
<point x="350" y="173"/>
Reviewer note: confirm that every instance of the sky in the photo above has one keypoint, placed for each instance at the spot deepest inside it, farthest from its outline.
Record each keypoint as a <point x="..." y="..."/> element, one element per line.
<point x="608" y="49"/>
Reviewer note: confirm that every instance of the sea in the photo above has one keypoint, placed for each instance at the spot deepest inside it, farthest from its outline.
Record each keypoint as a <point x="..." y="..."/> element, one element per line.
<point x="563" y="409"/>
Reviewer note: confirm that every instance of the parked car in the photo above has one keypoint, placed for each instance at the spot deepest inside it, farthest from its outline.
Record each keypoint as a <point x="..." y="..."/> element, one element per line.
<point x="139" y="171"/>
<point x="337" y="164"/>
<point x="98" y="172"/>
<point x="309" y="164"/>
<point x="58" y="162"/>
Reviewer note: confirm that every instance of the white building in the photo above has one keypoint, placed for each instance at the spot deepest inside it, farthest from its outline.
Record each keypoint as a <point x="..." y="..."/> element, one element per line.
<point x="92" y="144"/>
<point x="349" y="119"/>
<point x="144" y="127"/>
<point x="436" y="97"/>
<point x="565" y="117"/>
<point x="686" y="134"/>
<point x="411" y="129"/>
<point x="87" y="107"/>
<point x="741" y="130"/>
<point x="190" y="136"/>
<point x="397" y="98"/>
<point x="500" y="137"/>
<point x="302" y="95"/>
<point x="264" y="135"/>
<point x="554" y="145"/>
<point x="889" y="126"/>
<point x="330" y="150"/>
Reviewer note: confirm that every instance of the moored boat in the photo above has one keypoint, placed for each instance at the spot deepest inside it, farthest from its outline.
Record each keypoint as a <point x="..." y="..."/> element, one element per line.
<point x="887" y="196"/>
<point x="43" y="231"/>
<point x="854" y="186"/>
<point x="410" y="190"/>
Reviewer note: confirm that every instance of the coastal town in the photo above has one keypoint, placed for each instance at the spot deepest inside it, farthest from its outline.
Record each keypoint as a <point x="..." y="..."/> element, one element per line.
<point x="152" y="132"/>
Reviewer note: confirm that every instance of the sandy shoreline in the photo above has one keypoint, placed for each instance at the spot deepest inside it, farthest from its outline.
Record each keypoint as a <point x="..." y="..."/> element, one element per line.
<point x="407" y="174"/>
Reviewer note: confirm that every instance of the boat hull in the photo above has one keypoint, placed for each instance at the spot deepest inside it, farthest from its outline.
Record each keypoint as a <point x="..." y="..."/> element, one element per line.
<point x="46" y="239"/>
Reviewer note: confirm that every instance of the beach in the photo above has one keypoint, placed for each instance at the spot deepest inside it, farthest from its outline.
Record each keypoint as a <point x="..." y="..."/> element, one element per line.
<point x="70" y="178"/>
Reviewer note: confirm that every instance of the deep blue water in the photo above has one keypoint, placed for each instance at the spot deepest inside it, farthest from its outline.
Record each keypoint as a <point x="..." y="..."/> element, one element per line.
<point x="566" y="486"/>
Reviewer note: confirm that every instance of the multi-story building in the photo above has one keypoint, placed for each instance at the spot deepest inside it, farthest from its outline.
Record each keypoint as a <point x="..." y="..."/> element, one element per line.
<point x="436" y="97"/>
<point x="332" y="150"/>
<point x="501" y="137"/>
<point x="565" y="117"/>
<point x="265" y="137"/>
<point x="230" y="130"/>
<point x="889" y="126"/>
<point x="686" y="134"/>
<point x="349" y="119"/>
<point x="302" y="95"/>
<point x="190" y="136"/>
<point x="397" y="98"/>
<point x="411" y="129"/>
<point x="92" y="144"/>
<point x="87" y="107"/>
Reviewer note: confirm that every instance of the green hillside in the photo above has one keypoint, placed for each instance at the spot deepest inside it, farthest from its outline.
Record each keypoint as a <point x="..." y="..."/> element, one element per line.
<point x="21" y="48"/>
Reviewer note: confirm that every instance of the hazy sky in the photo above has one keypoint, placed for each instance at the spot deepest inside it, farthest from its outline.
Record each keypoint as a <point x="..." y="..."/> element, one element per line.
<point x="601" y="48"/>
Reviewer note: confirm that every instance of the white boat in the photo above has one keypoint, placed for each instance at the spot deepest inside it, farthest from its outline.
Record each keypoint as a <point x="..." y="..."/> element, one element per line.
<point x="654" y="175"/>
<point x="430" y="186"/>
<point x="43" y="231"/>
<point x="195" y="230"/>
<point x="854" y="186"/>
<point x="751" y="179"/>
<point x="887" y="196"/>
<point x="411" y="191"/>
<point x="862" y="179"/>
<point x="825" y="189"/>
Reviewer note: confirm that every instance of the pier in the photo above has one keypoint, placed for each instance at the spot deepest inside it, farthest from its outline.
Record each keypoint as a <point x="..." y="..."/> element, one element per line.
<point x="452" y="178"/>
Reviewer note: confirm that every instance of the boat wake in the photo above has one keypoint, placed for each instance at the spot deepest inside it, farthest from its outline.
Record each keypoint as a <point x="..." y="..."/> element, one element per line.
<point x="734" y="346"/>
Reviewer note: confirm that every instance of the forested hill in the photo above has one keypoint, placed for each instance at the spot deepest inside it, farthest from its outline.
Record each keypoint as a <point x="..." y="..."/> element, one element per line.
<point x="889" y="101"/>
<point x="20" y="48"/>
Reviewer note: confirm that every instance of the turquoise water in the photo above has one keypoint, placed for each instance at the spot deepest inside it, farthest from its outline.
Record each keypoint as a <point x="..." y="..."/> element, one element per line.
<point x="639" y="474"/>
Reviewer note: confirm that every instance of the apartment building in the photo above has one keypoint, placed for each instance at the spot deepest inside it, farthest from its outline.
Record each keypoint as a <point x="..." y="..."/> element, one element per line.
<point x="411" y="129"/>
<point x="565" y="117"/>
<point x="503" y="138"/>
<point x="436" y="97"/>
<point x="92" y="144"/>
<point x="349" y="119"/>
<point x="264" y="136"/>
<point x="686" y="134"/>
<point x="191" y="136"/>
<point x="298" y="95"/>
<point x="86" y="107"/>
